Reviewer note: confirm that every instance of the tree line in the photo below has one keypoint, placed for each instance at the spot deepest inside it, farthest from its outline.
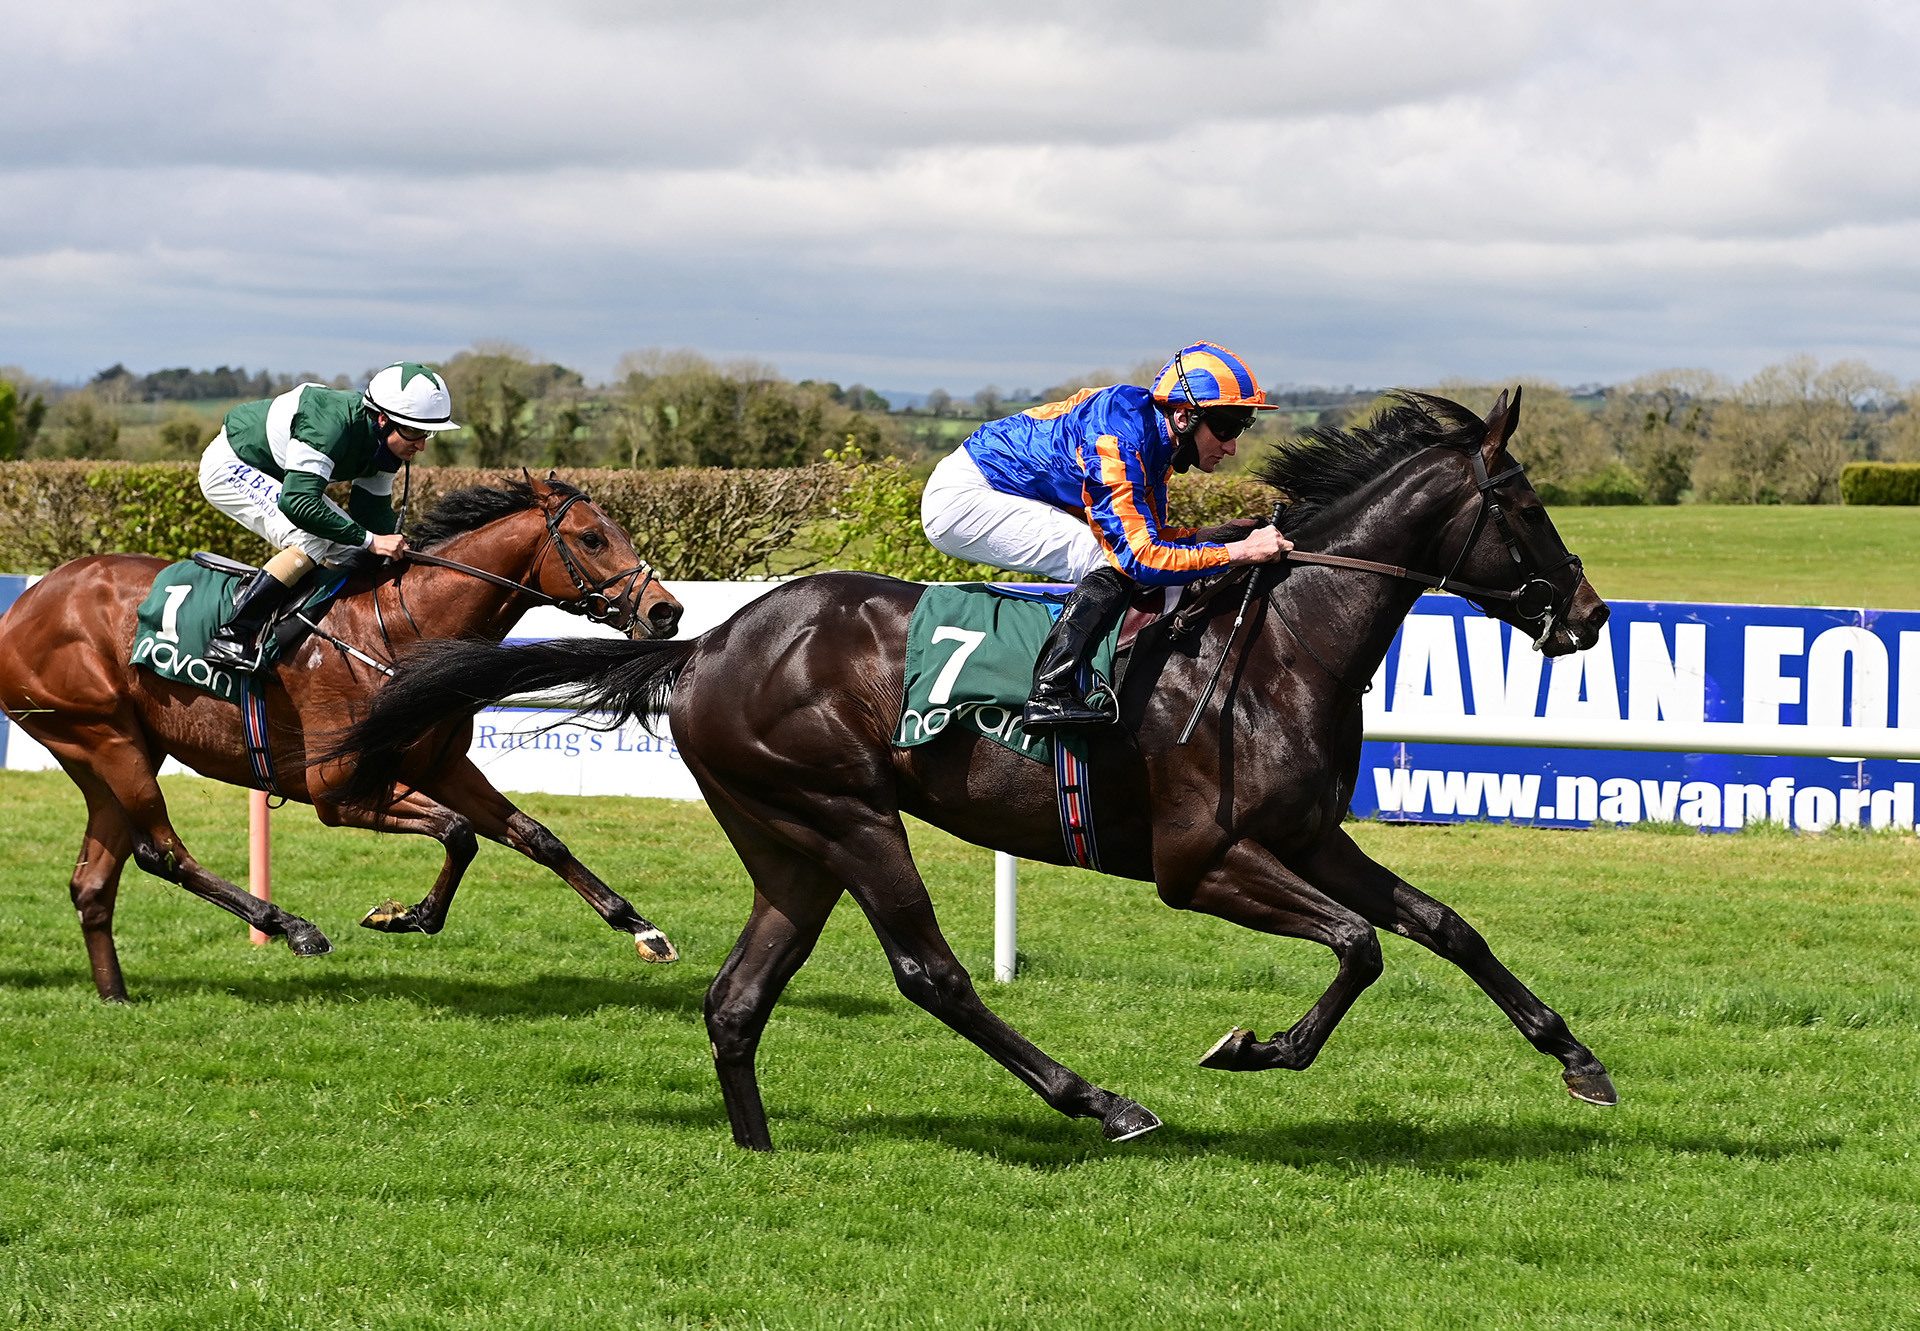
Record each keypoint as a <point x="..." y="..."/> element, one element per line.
<point x="1684" y="435"/>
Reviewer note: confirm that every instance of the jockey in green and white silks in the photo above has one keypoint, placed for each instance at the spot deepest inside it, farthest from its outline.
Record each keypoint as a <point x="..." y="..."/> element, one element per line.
<point x="269" y="467"/>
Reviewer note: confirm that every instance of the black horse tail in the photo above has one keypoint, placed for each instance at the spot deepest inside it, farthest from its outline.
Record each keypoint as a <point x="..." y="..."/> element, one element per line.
<point x="439" y="681"/>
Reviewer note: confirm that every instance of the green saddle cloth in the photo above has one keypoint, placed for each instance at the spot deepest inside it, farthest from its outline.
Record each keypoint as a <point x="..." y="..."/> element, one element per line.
<point x="970" y="655"/>
<point x="187" y="605"/>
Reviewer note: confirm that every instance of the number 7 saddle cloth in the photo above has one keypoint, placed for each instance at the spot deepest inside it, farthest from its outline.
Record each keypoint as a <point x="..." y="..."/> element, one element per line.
<point x="970" y="655"/>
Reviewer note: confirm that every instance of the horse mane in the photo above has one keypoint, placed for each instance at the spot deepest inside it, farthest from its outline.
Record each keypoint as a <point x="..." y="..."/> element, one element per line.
<point x="1321" y="465"/>
<point x="460" y="511"/>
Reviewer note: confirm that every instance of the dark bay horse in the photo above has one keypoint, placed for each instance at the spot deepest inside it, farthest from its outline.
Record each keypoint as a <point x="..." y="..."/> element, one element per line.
<point x="65" y="680"/>
<point x="786" y="713"/>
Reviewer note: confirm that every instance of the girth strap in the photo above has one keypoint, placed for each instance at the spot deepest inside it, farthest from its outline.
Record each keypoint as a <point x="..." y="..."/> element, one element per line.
<point x="1073" y="781"/>
<point x="253" y="722"/>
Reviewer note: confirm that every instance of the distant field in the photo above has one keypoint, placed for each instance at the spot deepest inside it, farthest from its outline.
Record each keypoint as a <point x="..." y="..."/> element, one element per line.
<point x="1824" y="555"/>
<point x="515" y="1124"/>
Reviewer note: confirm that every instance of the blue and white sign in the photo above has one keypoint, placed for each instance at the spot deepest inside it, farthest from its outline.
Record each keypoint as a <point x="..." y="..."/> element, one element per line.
<point x="1655" y="663"/>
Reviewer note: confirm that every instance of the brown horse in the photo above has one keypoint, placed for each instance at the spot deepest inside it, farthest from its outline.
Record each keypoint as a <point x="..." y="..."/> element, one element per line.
<point x="786" y="716"/>
<point x="493" y="552"/>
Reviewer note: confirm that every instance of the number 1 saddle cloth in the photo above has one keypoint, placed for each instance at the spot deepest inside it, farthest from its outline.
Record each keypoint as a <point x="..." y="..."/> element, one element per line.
<point x="190" y="600"/>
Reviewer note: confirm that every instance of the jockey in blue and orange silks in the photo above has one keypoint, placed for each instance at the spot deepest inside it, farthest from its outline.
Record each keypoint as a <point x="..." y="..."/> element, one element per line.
<point x="1077" y="491"/>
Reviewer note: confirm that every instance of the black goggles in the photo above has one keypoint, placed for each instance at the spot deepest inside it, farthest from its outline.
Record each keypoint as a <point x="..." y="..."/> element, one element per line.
<point x="1228" y="423"/>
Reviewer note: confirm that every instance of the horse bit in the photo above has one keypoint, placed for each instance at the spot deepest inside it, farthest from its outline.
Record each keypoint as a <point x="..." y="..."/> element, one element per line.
<point x="593" y="602"/>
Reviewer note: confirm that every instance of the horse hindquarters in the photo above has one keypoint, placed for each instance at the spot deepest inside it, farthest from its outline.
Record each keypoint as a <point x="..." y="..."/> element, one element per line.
<point x="64" y="680"/>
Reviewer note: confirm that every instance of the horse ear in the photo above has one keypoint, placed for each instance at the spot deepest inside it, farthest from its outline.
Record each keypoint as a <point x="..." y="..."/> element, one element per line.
<point x="1500" y="423"/>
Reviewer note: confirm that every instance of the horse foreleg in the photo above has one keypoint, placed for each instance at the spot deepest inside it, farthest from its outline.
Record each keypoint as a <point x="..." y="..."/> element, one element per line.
<point x="1248" y="886"/>
<point x="415" y="814"/>
<point x="1347" y="873"/>
<point x="463" y="789"/>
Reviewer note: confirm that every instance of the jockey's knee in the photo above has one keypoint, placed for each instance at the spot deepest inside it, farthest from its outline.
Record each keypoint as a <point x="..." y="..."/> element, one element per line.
<point x="290" y="565"/>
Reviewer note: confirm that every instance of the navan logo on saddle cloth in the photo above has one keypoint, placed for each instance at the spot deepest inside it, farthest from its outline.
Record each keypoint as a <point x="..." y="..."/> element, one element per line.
<point x="970" y="655"/>
<point x="182" y="612"/>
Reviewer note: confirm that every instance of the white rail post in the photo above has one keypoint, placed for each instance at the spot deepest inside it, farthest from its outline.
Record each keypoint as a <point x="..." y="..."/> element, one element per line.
<point x="1006" y="894"/>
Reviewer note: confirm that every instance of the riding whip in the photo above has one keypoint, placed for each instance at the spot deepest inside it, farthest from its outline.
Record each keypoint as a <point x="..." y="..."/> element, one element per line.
<point x="1239" y="617"/>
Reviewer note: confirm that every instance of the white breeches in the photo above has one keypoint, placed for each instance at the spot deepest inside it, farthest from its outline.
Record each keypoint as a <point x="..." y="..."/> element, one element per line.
<point x="969" y="519"/>
<point x="252" y="498"/>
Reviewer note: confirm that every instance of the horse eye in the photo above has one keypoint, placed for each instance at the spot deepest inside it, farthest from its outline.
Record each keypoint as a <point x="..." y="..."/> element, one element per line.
<point x="593" y="540"/>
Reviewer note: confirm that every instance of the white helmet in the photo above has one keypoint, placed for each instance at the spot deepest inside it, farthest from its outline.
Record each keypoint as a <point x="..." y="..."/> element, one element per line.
<point x="412" y="395"/>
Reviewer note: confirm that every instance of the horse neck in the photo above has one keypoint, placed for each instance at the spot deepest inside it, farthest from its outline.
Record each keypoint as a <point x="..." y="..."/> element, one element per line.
<point x="446" y="603"/>
<point x="1410" y="516"/>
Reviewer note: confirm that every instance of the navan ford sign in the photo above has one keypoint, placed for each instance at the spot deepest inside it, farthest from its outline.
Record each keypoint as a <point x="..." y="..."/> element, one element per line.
<point x="1655" y="662"/>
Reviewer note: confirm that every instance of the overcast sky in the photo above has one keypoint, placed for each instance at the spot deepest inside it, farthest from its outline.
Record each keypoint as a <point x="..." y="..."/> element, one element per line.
<point x="954" y="194"/>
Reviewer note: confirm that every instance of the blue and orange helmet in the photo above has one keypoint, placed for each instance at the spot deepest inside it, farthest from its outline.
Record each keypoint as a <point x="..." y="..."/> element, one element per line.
<point x="1208" y="375"/>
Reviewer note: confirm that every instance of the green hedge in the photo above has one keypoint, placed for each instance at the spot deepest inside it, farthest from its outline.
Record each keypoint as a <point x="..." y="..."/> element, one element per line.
<point x="707" y="523"/>
<point x="1880" y="483"/>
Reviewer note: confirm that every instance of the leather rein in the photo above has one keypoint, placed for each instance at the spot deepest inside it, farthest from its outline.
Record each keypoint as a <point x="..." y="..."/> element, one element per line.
<point x="593" y="603"/>
<point x="1535" y="600"/>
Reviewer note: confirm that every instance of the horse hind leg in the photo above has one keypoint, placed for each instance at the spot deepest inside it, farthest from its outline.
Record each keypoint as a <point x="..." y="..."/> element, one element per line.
<point x="126" y="770"/>
<point x="845" y="841"/>
<point x="462" y="803"/>
<point x="95" y="887"/>
<point x="791" y="904"/>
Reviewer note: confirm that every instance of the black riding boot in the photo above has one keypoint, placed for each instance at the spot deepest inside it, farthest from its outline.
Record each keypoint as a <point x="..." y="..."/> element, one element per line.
<point x="1060" y="675"/>
<point x="236" y="643"/>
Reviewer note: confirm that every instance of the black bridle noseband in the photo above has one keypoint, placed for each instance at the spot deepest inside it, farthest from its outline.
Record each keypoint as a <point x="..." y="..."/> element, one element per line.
<point x="593" y="603"/>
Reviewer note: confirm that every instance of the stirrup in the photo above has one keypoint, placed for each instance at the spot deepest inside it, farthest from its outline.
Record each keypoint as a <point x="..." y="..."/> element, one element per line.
<point x="1044" y="713"/>
<point x="225" y="652"/>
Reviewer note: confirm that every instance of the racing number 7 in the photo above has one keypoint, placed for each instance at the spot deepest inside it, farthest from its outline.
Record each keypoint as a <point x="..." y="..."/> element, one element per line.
<point x="950" y="672"/>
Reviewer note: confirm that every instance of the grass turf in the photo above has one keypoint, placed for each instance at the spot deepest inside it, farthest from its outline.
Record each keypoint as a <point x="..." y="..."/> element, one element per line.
<point x="1813" y="555"/>
<point x="516" y="1123"/>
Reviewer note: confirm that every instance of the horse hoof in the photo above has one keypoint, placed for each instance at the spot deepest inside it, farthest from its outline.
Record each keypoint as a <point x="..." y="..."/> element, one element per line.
<point x="303" y="940"/>
<point x="1594" y="1088"/>
<point x="390" y="917"/>
<point x="652" y="945"/>
<point x="1126" y="1121"/>
<point x="1229" y="1052"/>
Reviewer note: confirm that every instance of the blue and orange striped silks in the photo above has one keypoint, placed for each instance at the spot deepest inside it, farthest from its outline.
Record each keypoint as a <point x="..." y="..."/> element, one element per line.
<point x="1106" y="454"/>
<point x="1126" y="505"/>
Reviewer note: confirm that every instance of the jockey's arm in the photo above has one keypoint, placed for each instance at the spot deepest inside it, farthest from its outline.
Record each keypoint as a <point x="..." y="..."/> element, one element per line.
<point x="1125" y="509"/>
<point x="303" y="498"/>
<point x="372" y="510"/>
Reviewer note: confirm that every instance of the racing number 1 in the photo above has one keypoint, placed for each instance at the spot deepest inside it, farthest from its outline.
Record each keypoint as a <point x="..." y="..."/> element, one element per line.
<point x="170" y="613"/>
<point x="950" y="672"/>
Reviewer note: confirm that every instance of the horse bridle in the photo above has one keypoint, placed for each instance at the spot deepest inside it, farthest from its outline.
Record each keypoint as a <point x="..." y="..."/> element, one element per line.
<point x="593" y="603"/>
<point x="1535" y="601"/>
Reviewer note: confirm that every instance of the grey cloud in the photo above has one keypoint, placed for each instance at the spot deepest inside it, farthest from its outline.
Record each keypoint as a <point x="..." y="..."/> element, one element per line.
<point x="1400" y="188"/>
